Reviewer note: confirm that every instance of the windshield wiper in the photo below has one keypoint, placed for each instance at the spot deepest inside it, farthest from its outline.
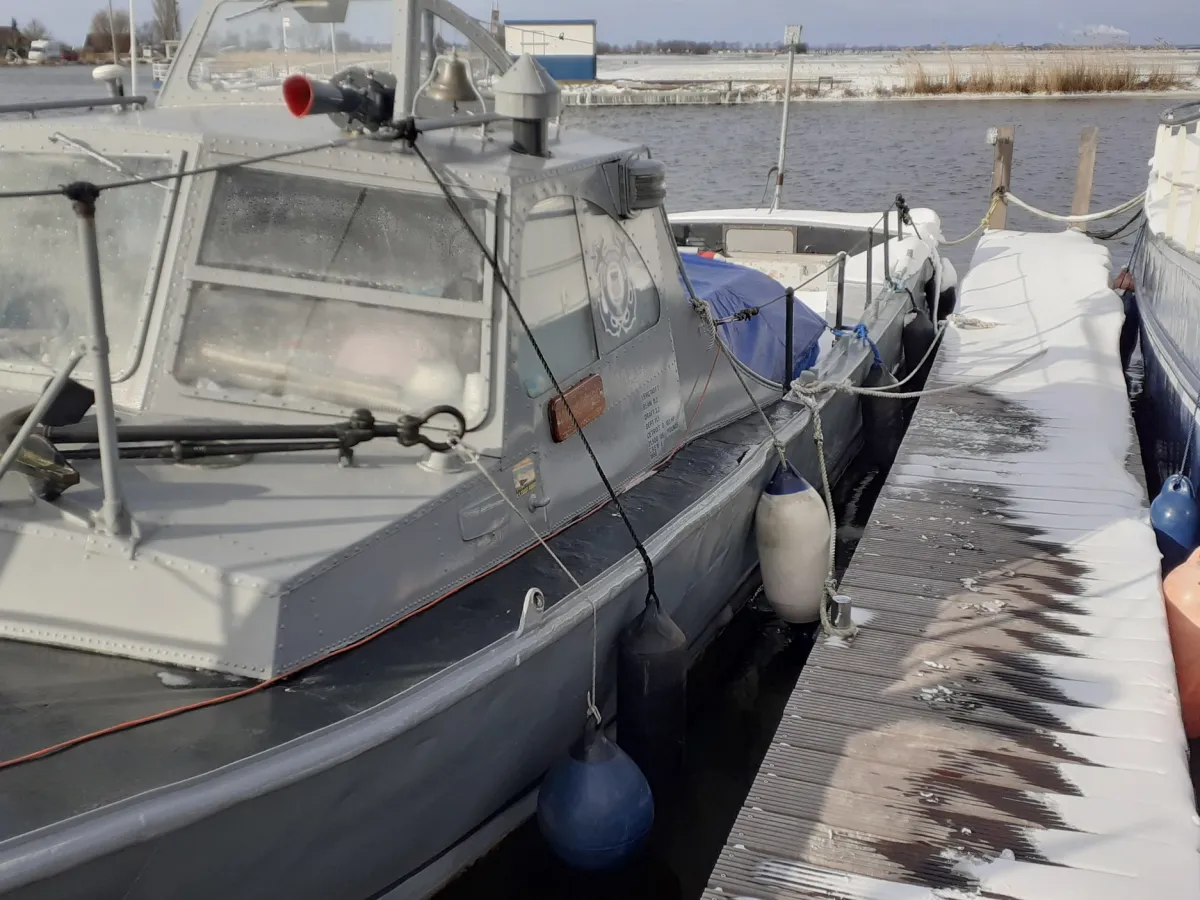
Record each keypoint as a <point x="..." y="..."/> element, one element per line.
<point x="299" y="5"/>
<point x="99" y="157"/>
<point x="265" y="5"/>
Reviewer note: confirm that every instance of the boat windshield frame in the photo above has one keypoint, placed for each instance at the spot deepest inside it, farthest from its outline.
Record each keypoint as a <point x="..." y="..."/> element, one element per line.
<point x="194" y="275"/>
<point x="279" y="36"/>
<point x="181" y="88"/>
<point x="118" y="145"/>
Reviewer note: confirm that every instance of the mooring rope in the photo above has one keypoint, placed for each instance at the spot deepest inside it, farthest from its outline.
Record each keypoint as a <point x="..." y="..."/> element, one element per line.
<point x="983" y="223"/>
<point x="802" y="388"/>
<point x="830" y="627"/>
<point x="1074" y="220"/>
<point x="933" y="345"/>
<point x="806" y="392"/>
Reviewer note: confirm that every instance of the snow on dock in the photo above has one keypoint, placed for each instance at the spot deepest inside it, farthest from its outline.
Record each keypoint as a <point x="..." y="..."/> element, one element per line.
<point x="1005" y="723"/>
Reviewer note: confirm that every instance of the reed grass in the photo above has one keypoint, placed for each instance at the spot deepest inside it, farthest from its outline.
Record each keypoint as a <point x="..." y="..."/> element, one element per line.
<point x="1096" y="72"/>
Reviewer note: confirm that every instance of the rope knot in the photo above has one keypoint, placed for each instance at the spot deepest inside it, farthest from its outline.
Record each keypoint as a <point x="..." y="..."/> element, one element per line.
<point x="860" y="333"/>
<point x="707" y="322"/>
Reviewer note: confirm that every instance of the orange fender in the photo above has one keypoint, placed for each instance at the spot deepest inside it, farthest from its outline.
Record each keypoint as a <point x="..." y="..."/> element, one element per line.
<point x="1181" y="589"/>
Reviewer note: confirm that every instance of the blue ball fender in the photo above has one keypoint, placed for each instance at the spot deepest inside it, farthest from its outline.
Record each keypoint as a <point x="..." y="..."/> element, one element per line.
<point x="595" y="808"/>
<point x="1174" y="517"/>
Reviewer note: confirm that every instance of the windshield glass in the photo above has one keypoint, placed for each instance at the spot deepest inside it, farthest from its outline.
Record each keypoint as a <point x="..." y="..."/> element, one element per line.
<point x="251" y="45"/>
<point x="247" y="46"/>
<point x="43" y="300"/>
<point x="331" y="231"/>
<point x="311" y="292"/>
<point x="309" y="352"/>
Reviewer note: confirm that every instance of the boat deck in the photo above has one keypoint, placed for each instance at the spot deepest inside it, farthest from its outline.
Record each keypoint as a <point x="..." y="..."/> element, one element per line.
<point x="1005" y="724"/>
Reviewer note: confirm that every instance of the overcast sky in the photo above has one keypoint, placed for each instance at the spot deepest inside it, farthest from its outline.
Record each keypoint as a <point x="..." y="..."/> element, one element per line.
<point x="845" y="21"/>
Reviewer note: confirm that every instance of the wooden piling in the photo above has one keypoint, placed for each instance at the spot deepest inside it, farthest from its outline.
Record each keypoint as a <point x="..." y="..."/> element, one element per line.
<point x="1002" y="172"/>
<point x="1082" y="200"/>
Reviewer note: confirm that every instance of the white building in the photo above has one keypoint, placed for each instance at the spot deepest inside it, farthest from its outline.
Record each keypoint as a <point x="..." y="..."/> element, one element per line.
<point x="565" y="47"/>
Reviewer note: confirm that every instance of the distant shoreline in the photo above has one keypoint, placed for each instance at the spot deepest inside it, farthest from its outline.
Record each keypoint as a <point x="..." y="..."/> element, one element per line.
<point x="585" y="99"/>
<point x="966" y="75"/>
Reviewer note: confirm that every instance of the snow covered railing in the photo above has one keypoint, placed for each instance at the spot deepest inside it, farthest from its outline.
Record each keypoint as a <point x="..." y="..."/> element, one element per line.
<point x="1173" y="198"/>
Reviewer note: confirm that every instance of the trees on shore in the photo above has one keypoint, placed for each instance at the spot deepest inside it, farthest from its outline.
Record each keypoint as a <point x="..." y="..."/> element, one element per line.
<point x="108" y="30"/>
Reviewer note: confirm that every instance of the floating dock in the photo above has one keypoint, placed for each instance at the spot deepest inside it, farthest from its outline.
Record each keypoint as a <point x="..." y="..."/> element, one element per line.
<point x="1005" y="724"/>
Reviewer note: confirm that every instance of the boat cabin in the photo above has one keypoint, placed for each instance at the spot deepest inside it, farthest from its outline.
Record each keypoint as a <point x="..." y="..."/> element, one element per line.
<point x="292" y="291"/>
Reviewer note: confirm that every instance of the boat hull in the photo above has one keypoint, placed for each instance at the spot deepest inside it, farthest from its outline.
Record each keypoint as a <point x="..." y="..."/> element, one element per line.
<point x="1168" y="294"/>
<point x="394" y="801"/>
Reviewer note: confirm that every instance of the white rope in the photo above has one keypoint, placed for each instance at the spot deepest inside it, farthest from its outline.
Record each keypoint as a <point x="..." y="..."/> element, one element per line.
<point x="806" y="393"/>
<point x="472" y="457"/>
<point x="1075" y="220"/>
<point x="969" y="321"/>
<point x="827" y="625"/>
<point x="779" y="445"/>
<point x="983" y="224"/>
<point x="933" y="345"/>
<point x="810" y="388"/>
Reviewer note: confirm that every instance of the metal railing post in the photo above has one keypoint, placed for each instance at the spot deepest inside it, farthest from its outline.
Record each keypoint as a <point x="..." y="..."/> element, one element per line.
<point x="870" y="265"/>
<point x="899" y="225"/>
<point x="841" y="289"/>
<point x="887" y="251"/>
<point x="114" y="517"/>
<point x="788" y="348"/>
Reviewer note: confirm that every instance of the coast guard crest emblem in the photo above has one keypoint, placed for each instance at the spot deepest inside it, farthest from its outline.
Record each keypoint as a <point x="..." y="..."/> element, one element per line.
<point x="618" y="296"/>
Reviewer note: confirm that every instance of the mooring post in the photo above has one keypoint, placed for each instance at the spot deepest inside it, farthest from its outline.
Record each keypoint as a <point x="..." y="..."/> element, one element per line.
<point x="114" y="517"/>
<point x="1082" y="201"/>
<point x="1002" y="173"/>
<point x="788" y="349"/>
<point x="870" y="265"/>
<point x="842" y="613"/>
<point x="841" y="289"/>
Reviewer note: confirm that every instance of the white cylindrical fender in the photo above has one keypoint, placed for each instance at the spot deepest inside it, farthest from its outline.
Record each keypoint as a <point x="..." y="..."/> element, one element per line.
<point x="792" y="526"/>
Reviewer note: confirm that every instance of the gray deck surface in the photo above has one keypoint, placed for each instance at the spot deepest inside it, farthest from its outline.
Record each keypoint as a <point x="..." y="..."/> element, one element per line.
<point x="1005" y="724"/>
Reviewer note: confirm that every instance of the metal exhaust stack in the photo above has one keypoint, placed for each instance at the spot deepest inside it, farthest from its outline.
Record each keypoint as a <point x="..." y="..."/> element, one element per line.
<point x="531" y="98"/>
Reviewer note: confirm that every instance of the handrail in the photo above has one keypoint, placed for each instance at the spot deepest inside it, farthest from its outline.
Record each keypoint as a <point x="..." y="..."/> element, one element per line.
<point x="1183" y="114"/>
<point x="82" y="103"/>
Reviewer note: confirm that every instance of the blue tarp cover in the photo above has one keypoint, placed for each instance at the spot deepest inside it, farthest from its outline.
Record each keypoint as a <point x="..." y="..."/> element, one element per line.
<point x="758" y="342"/>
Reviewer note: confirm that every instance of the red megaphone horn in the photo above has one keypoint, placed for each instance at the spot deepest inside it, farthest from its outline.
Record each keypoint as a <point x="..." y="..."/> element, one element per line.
<point x="311" y="98"/>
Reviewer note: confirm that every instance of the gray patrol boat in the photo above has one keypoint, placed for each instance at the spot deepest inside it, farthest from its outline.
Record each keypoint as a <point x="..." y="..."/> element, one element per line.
<point x="273" y="618"/>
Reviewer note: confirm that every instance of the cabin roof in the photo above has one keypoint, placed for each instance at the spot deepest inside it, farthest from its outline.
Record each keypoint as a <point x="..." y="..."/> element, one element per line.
<point x="253" y="130"/>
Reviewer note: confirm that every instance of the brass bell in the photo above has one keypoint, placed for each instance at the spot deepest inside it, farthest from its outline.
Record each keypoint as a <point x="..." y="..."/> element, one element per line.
<point x="451" y="82"/>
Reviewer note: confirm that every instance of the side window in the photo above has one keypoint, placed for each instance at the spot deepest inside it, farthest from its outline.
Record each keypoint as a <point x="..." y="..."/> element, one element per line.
<point x="625" y="300"/>
<point x="553" y="296"/>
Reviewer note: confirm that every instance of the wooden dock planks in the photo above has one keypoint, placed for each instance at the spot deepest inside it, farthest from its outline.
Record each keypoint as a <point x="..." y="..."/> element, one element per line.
<point x="1005" y="724"/>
